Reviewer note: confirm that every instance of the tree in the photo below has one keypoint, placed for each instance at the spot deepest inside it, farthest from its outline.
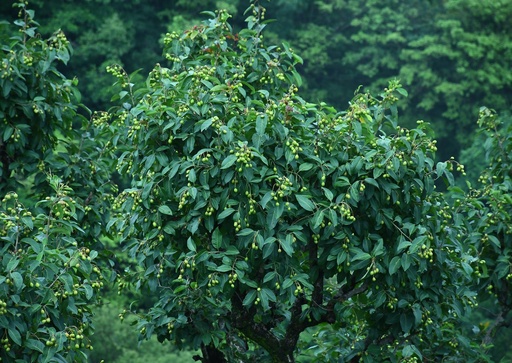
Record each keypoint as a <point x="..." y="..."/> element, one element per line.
<point x="488" y="210"/>
<point x="54" y="188"/>
<point x="254" y="214"/>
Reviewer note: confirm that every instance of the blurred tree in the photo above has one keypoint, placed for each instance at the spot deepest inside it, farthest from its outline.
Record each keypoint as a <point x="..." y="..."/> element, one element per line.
<point x="115" y="343"/>
<point x="453" y="56"/>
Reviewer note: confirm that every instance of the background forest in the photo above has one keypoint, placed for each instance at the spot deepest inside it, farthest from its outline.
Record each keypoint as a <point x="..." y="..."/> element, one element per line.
<point x="451" y="56"/>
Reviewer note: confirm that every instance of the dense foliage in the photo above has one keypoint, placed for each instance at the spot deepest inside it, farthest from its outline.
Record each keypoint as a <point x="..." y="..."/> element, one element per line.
<point x="255" y="225"/>
<point x="489" y="208"/>
<point x="52" y="184"/>
<point x="246" y="198"/>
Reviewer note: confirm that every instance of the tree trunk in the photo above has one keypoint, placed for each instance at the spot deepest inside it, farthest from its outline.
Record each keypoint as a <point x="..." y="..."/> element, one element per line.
<point x="210" y="355"/>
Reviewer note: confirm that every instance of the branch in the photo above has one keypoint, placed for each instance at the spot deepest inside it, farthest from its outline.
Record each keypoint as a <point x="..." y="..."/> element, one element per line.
<point x="318" y="291"/>
<point x="243" y="320"/>
<point x="498" y="323"/>
<point x="341" y="297"/>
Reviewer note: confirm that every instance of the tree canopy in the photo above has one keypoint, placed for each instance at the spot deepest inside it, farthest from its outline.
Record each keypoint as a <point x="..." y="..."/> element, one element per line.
<point x="262" y="226"/>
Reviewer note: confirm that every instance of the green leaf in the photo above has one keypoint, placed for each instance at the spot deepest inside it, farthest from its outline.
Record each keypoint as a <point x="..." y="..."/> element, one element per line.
<point x="416" y="310"/>
<point x="179" y="289"/>
<point x="305" y="202"/>
<point x="17" y="279"/>
<point x="224" y="268"/>
<point x="287" y="283"/>
<point x="89" y="292"/>
<point x="379" y="248"/>
<point x="34" y="344"/>
<point x="13" y="263"/>
<point x="249" y="298"/>
<point x="305" y="166"/>
<point x="394" y="265"/>
<point x="402" y="91"/>
<point x="406" y="261"/>
<point x="245" y="232"/>
<point x="372" y="181"/>
<point x="317" y="219"/>
<point x="274" y="215"/>
<point x="269" y="276"/>
<point x="232" y="251"/>
<point x="219" y="87"/>
<point x="67" y="280"/>
<point x="14" y="334"/>
<point x="217" y="238"/>
<point x="406" y="322"/>
<point x="28" y="222"/>
<point x="191" y="245"/>
<point x="495" y="241"/>
<point x="402" y="245"/>
<point x="165" y="210"/>
<point x="261" y="124"/>
<point x="225" y="213"/>
<point x="227" y="162"/>
<point x="359" y="254"/>
<point x="440" y="168"/>
<point x="7" y="132"/>
<point x="287" y="244"/>
<point x="266" y="198"/>
<point x="467" y="268"/>
<point x="328" y="194"/>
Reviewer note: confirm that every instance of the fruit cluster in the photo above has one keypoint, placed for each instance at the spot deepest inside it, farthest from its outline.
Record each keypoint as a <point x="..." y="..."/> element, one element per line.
<point x="294" y="147"/>
<point x="284" y="187"/>
<point x="216" y="122"/>
<point x="169" y="37"/>
<point x="412" y="359"/>
<point x="345" y="211"/>
<point x="76" y="336"/>
<point x="243" y="157"/>
<point x="6" y="67"/>
<point x="134" y="128"/>
<point x="28" y="59"/>
<point x="118" y="72"/>
<point x="392" y="301"/>
<point x="298" y="290"/>
<point x="3" y="307"/>
<point x="252" y="204"/>
<point x="327" y="124"/>
<point x="427" y="253"/>
<point x="237" y="224"/>
<point x="209" y="211"/>
<point x="212" y="280"/>
<point x="6" y="344"/>
<point x="418" y="283"/>
<point x="58" y="40"/>
<point x="232" y="279"/>
<point x="201" y="73"/>
<point x="182" y="111"/>
<point x="100" y="118"/>
<point x="157" y="74"/>
<point x="373" y="270"/>
<point x="122" y="198"/>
